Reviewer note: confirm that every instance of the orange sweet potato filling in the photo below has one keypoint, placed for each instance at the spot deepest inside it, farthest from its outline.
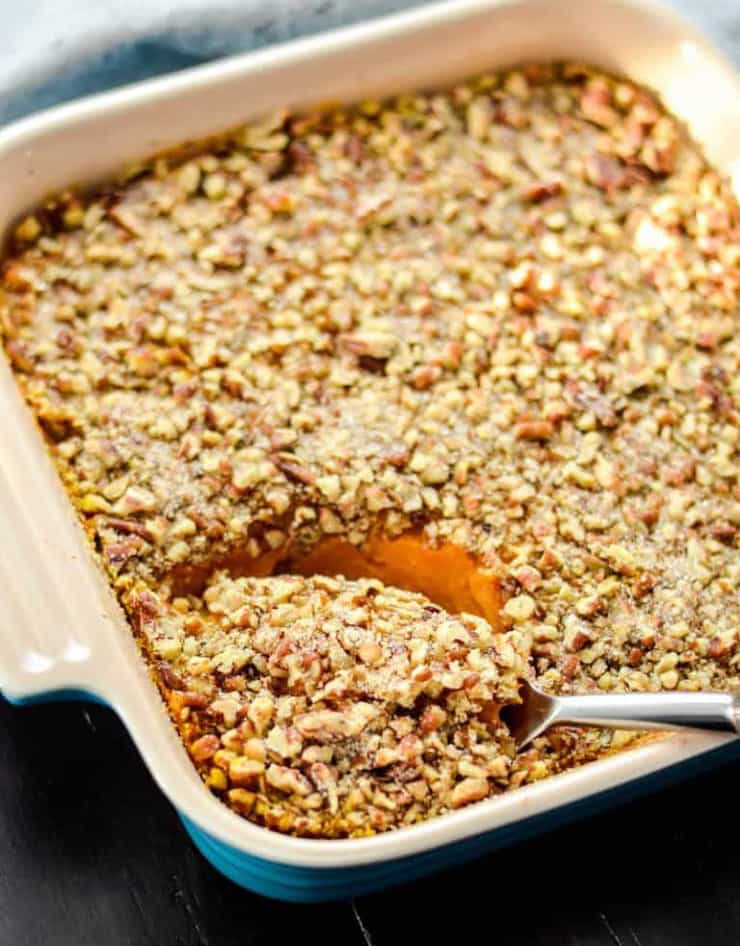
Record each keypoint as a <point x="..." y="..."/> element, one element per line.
<point x="448" y="575"/>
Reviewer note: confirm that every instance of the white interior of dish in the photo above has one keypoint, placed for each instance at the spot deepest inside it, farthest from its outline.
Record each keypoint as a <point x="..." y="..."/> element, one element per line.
<point x="61" y="627"/>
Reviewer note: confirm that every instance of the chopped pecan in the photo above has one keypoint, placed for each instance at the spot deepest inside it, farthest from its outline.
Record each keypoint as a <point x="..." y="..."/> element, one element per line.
<point x="534" y="430"/>
<point x="292" y="466"/>
<point x="204" y="748"/>
<point x="468" y="791"/>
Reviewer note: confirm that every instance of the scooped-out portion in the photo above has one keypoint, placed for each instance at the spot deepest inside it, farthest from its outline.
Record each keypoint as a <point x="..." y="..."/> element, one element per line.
<point x="331" y="707"/>
<point x="449" y="575"/>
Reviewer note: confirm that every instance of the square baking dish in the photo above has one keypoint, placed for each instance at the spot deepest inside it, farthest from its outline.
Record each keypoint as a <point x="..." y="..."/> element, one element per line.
<point x="62" y="632"/>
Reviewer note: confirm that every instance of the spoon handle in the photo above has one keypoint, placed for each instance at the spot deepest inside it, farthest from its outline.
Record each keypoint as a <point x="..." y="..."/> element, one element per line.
<point x="718" y="712"/>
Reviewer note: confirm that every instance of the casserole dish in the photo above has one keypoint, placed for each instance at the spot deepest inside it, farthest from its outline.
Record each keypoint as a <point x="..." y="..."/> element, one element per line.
<point x="64" y="633"/>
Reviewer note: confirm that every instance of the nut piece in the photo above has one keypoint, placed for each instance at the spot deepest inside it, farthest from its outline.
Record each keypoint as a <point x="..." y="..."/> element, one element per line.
<point x="245" y="772"/>
<point x="371" y="344"/>
<point x="519" y="609"/>
<point x="287" y="780"/>
<point x="468" y="791"/>
<point x="204" y="748"/>
<point x="534" y="430"/>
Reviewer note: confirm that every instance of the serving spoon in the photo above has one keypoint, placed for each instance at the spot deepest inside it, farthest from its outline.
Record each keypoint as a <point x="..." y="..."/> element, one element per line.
<point x="717" y="712"/>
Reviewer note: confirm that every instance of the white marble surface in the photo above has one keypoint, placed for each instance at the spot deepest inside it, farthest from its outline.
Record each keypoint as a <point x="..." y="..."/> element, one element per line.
<point x="52" y="50"/>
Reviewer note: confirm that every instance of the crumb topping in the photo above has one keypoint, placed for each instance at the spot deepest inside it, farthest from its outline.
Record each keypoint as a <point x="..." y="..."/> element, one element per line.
<point x="328" y="707"/>
<point x="506" y="315"/>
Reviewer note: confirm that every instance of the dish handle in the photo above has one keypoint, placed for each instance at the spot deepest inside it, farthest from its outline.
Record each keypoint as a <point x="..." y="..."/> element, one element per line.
<point x="59" y="635"/>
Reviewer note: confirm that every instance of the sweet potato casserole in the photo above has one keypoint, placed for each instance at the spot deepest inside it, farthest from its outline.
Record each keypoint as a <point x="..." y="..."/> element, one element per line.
<point x="363" y="410"/>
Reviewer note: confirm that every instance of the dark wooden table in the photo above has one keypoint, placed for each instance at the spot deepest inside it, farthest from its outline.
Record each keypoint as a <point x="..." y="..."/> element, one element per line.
<point x="92" y="855"/>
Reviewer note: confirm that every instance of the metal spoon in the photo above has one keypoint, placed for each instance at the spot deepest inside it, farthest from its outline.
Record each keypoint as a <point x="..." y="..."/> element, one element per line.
<point x="718" y="712"/>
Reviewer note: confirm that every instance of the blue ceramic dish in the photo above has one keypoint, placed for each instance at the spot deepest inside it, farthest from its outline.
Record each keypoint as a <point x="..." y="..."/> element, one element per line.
<point x="314" y="884"/>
